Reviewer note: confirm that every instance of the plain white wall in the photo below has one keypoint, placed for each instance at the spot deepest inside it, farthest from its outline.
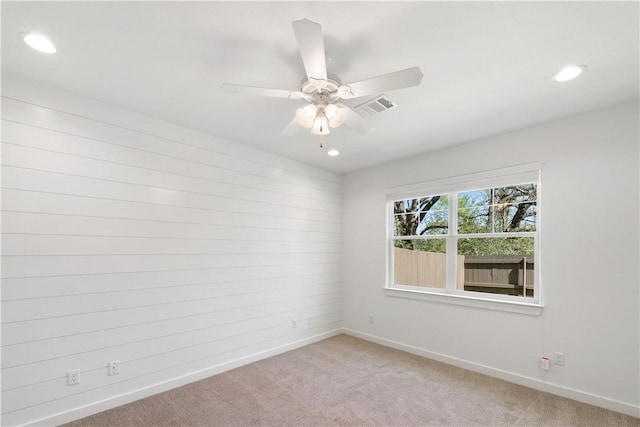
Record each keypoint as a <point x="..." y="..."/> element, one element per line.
<point x="176" y="253"/>
<point x="589" y="261"/>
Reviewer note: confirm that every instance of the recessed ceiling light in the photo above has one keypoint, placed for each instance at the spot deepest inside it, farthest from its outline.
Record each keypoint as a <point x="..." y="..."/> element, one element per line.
<point x="569" y="73"/>
<point x="333" y="153"/>
<point x="38" y="42"/>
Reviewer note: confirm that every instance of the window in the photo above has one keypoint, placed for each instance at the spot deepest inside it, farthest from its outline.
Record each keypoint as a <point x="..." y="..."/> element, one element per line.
<point x="475" y="236"/>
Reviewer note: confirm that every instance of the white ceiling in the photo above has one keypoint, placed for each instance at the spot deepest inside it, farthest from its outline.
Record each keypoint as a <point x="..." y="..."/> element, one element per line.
<point x="487" y="65"/>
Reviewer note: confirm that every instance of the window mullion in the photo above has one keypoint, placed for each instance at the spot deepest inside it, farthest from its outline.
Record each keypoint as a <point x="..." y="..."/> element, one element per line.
<point x="390" y="242"/>
<point x="452" y="267"/>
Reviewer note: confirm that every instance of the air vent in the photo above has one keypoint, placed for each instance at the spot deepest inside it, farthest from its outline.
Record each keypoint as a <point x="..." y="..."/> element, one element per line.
<point x="376" y="105"/>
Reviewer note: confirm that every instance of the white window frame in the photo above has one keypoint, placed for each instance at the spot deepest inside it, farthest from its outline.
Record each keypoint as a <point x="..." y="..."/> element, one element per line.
<point x="514" y="175"/>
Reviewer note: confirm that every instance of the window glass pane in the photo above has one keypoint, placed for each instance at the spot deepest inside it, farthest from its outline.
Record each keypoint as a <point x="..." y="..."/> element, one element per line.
<point x="474" y="212"/>
<point x="423" y="216"/>
<point x="405" y="224"/>
<point x="497" y="210"/>
<point x="474" y="220"/>
<point x="515" y="193"/>
<point x="474" y="198"/>
<point x="514" y="208"/>
<point x="517" y="217"/>
<point x="420" y="263"/>
<point x="405" y="206"/>
<point x="498" y="265"/>
<point x="433" y="222"/>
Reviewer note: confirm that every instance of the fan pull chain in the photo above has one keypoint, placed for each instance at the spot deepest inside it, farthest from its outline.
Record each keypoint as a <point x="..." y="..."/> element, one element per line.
<point x="321" y="144"/>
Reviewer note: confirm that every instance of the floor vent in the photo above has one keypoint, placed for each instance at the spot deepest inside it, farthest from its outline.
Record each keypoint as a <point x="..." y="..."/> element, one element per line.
<point x="376" y="105"/>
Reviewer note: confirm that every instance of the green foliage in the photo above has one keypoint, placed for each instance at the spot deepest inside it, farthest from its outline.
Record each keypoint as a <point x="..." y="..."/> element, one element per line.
<point x="496" y="246"/>
<point x="426" y="245"/>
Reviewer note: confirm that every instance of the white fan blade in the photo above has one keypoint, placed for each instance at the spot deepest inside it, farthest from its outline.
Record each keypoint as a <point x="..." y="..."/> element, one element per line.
<point x="357" y="122"/>
<point x="311" y="45"/>
<point x="386" y="82"/>
<point x="292" y="128"/>
<point x="262" y="91"/>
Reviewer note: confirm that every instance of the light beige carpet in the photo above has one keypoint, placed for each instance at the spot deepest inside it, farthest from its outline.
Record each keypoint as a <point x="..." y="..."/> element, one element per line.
<point x="346" y="381"/>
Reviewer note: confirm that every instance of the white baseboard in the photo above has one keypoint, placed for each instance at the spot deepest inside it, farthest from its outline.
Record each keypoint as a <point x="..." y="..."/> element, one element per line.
<point x="133" y="395"/>
<point x="533" y="383"/>
<point x="141" y="393"/>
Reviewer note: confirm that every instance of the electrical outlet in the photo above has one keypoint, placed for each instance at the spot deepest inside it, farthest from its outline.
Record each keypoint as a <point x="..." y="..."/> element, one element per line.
<point x="544" y="363"/>
<point x="558" y="359"/>
<point x="114" y="367"/>
<point x="73" y="377"/>
<point x="294" y="323"/>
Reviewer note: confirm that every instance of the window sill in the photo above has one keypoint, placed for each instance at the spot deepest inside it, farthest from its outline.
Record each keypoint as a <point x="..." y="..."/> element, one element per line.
<point x="530" y="309"/>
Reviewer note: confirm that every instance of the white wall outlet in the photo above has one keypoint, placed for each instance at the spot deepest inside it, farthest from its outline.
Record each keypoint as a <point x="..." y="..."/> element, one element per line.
<point x="371" y="318"/>
<point x="544" y="363"/>
<point x="558" y="359"/>
<point x="294" y="323"/>
<point x="73" y="377"/>
<point x="114" y="367"/>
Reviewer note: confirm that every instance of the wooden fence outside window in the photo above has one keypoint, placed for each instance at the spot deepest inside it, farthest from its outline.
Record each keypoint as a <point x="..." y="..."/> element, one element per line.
<point x="498" y="274"/>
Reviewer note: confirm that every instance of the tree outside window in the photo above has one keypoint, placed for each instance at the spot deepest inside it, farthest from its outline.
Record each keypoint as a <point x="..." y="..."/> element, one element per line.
<point x="494" y="237"/>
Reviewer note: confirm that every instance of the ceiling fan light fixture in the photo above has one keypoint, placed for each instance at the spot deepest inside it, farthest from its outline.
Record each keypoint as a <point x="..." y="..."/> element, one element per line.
<point x="320" y="124"/>
<point x="307" y="115"/>
<point x="335" y="114"/>
<point x="323" y="90"/>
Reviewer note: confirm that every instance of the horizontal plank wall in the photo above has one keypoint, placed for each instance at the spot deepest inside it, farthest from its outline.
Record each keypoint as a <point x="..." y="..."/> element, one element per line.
<point x="126" y="238"/>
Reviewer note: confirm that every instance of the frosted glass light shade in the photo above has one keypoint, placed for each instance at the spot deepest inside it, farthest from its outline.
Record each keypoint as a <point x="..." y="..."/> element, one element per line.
<point x="307" y="115"/>
<point x="335" y="114"/>
<point x="320" y="124"/>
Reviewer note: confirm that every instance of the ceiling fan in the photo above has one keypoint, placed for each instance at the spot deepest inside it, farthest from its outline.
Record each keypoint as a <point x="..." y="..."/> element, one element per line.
<point x="324" y="92"/>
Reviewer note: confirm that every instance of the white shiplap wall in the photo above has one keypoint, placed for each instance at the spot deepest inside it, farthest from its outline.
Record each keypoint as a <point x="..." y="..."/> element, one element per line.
<point x="127" y="238"/>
